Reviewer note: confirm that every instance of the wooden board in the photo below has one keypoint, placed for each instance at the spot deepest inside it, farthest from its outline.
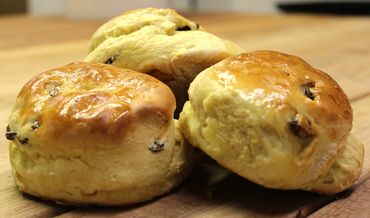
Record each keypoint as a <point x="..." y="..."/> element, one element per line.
<point x="339" y="46"/>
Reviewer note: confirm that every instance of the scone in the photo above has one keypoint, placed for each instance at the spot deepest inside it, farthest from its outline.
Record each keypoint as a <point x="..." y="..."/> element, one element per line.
<point x="344" y="172"/>
<point x="275" y="120"/>
<point x="96" y="134"/>
<point x="161" y="43"/>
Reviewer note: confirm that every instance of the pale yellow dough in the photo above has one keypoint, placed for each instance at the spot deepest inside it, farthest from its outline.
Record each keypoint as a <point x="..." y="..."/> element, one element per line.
<point x="149" y="41"/>
<point x="275" y="120"/>
<point x="344" y="172"/>
<point x="96" y="134"/>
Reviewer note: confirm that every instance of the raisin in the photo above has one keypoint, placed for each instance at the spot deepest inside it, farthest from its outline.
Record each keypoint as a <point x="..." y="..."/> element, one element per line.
<point x="110" y="60"/>
<point x="156" y="146"/>
<point x="307" y="90"/>
<point x="35" y="125"/>
<point x="296" y="129"/>
<point x="301" y="127"/>
<point x="23" y="140"/>
<point x="10" y="135"/>
<point x="183" y="28"/>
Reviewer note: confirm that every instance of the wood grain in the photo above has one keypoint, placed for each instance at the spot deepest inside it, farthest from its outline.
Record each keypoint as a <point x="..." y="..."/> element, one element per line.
<point x="354" y="204"/>
<point x="361" y="128"/>
<point x="357" y="203"/>
<point x="339" y="46"/>
<point x="18" y="31"/>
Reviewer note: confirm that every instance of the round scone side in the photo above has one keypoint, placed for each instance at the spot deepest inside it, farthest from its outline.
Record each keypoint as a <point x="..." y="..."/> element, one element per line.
<point x="268" y="117"/>
<point x="96" y="134"/>
<point x="161" y="43"/>
<point x="344" y="172"/>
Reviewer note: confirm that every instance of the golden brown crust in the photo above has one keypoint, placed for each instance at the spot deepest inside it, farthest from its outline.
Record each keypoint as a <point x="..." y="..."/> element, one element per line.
<point x="269" y="117"/>
<point x="96" y="134"/>
<point x="296" y="81"/>
<point x="94" y="102"/>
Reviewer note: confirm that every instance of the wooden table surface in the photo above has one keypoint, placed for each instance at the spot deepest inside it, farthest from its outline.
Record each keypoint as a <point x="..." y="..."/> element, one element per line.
<point x="338" y="45"/>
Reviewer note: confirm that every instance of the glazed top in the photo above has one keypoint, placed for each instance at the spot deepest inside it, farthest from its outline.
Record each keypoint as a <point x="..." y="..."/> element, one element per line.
<point x="91" y="103"/>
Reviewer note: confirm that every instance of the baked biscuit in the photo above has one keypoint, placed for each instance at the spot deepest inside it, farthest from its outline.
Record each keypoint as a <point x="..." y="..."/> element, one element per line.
<point x="96" y="134"/>
<point x="344" y="172"/>
<point x="273" y="119"/>
<point x="161" y="43"/>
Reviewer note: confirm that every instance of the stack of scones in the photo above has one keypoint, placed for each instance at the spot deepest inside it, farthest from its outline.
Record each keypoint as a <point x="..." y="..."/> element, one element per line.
<point x="124" y="125"/>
